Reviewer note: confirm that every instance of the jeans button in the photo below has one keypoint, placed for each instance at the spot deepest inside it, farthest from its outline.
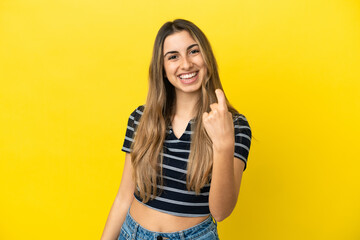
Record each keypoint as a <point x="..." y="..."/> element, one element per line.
<point x="159" y="238"/>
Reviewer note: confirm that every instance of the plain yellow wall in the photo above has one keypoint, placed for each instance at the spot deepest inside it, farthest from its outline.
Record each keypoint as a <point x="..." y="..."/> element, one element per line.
<point x="71" y="72"/>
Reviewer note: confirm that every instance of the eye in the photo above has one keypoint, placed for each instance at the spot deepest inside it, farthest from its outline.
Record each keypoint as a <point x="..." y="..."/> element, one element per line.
<point x="194" y="51"/>
<point x="172" y="57"/>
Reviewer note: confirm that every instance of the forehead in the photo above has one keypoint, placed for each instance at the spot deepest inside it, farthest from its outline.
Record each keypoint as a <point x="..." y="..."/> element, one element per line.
<point x="178" y="41"/>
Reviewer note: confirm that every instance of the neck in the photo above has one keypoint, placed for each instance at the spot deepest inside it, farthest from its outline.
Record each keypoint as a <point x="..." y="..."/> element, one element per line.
<point x="185" y="105"/>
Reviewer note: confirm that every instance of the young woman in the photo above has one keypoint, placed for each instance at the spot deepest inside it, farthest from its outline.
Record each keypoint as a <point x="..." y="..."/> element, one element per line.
<point x="186" y="148"/>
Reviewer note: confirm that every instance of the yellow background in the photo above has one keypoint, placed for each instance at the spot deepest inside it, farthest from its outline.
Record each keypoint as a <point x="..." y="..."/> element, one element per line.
<point x="71" y="72"/>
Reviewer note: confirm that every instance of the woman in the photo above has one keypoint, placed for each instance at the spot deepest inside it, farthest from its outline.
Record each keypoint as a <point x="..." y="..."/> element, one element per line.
<point x="186" y="149"/>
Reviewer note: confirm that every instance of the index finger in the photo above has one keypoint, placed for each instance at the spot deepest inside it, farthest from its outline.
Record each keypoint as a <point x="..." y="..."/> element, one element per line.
<point x="221" y="98"/>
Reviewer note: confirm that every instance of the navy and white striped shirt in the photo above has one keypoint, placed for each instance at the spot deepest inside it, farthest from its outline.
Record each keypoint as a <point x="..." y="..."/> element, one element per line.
<point x="175" y="199"/>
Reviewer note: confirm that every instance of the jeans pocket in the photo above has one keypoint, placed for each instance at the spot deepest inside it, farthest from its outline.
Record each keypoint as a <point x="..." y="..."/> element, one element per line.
<point x="124" y="235"/>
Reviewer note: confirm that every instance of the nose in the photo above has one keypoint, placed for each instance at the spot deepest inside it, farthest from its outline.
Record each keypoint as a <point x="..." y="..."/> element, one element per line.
<point x="186" y="63"/>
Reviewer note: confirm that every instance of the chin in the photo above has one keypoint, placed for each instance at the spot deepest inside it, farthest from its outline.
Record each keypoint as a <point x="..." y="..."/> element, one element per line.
<point x="192" y="89"/>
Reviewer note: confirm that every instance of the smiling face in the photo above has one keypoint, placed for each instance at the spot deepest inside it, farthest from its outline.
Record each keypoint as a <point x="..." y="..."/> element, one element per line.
<point x="183" y="62"/>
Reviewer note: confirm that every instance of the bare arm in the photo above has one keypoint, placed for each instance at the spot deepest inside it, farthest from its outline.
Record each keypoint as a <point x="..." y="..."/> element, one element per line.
<point x="227" y="170"/>
<point x="225" y="184"/>
<point x="122" y="202"/>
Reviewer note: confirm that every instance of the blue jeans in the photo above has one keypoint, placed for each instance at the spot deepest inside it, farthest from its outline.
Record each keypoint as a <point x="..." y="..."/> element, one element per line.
<point x="206" y="230"/>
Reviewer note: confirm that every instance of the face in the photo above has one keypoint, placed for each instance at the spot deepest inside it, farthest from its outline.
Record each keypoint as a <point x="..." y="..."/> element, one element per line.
<point x="183" y="62"/>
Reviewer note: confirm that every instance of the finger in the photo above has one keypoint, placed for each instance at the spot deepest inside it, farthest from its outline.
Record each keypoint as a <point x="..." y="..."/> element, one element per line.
<point x="230" y="116"/>
<point x="213" y="113"/>
<point x="213" y="106"/>
<point x="205" y="116"/>
<point x="221" y="98"/>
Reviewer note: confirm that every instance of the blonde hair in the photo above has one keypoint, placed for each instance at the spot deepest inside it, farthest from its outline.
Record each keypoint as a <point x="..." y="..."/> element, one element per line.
<point x="159" y="108"/>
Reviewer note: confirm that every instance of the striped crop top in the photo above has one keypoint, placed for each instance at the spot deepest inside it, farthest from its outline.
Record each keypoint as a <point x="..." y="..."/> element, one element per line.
<point x="175" y="199"/>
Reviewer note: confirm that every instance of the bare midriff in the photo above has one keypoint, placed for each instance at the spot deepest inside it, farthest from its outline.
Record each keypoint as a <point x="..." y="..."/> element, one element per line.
<point x="156" y="221"/>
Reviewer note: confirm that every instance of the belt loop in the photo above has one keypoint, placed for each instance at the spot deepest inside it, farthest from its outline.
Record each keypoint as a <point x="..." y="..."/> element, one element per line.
<point x="133" y="237"/>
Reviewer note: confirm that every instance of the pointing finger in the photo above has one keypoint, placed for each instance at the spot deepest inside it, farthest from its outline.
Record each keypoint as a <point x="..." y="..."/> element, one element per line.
<point x="221" y="98"/>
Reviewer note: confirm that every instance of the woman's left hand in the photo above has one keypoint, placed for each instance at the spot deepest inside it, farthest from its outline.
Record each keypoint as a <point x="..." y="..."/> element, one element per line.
<point x="219" y="124"/>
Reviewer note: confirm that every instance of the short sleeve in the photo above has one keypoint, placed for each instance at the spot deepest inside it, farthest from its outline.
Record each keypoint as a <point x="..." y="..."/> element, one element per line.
<point x="242" y="138"/>
<point x="132" y="124"/>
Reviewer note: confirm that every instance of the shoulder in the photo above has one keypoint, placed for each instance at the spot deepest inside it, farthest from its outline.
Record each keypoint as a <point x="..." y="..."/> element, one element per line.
<point x="241" y="125"/>
<point x="137" y="113"/>
<point x="135" y="116"/>
<point x="240" y="120"/>
<point x="243" y="137"/>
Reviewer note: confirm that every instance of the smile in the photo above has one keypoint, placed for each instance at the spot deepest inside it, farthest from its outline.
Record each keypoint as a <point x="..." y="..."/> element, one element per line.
<point x="188" y="75"/>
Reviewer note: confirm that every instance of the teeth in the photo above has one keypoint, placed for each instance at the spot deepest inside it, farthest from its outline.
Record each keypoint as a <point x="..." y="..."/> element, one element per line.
<point x="188" y="75"/>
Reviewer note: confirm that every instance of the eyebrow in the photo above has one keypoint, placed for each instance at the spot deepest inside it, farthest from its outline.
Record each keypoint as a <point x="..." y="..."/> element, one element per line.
<point x="189" y="47"/>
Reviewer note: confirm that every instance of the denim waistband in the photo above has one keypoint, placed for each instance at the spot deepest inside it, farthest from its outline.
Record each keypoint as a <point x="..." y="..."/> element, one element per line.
<point x="138" y="231"/>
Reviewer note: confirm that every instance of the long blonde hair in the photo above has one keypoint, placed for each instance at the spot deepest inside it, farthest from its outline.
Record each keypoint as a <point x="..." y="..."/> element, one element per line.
<point x="159" y="109"/>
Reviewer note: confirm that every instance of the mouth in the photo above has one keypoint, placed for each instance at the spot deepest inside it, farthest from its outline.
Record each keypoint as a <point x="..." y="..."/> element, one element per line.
<point x="188" y="77"/>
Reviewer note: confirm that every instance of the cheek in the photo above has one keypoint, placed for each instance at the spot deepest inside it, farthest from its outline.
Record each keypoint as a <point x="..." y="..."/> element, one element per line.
<point x="200" y="62"/>
<point x="202" y="65"/>
<point x="168" y="69"/>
